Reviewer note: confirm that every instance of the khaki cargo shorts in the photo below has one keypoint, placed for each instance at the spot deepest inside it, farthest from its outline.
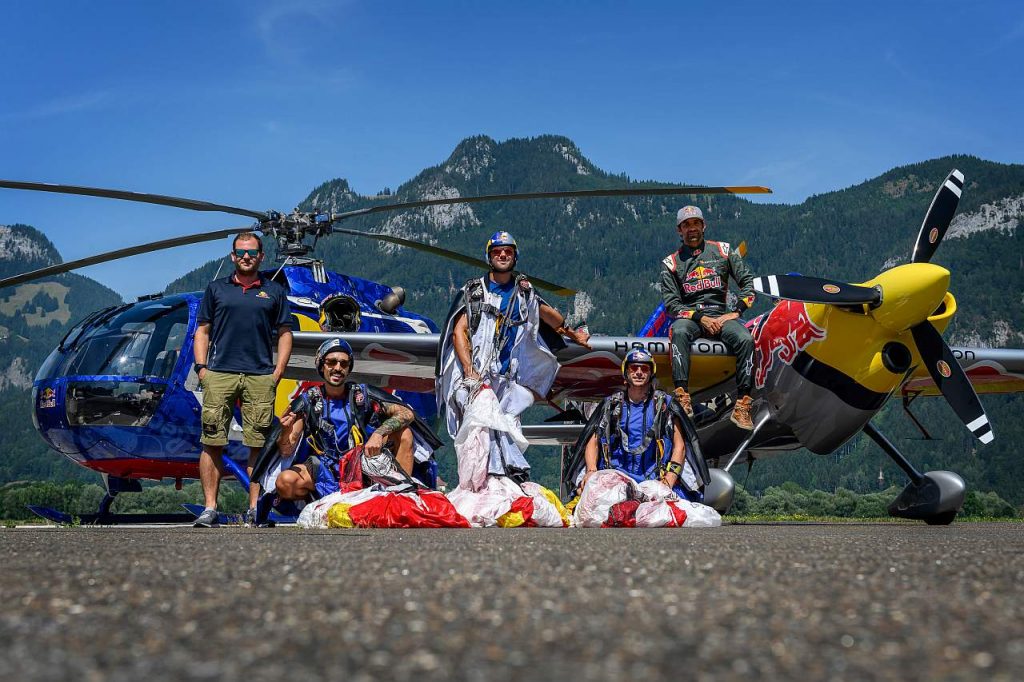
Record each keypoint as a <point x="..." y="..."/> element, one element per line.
<point x="221" y="390"/>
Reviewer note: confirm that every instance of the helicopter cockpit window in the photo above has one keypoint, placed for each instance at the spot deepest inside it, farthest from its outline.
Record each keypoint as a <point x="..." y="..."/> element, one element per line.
<point x="112" y="403"/>
<point x="144" y="340"/>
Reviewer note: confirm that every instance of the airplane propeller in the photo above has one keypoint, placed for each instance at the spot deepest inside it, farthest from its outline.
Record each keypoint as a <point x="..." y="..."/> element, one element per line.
<point x="816" y="290"/>
<point x="937" y="219"/>
<point x="951" y="380"/>
<point x="943" y="367"/>
<point x="291" y="229"/>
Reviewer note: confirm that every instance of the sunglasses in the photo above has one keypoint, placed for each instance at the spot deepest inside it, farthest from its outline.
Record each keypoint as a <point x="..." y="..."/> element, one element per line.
<point x="242" y="253"/>
<point x="336" y="363"/>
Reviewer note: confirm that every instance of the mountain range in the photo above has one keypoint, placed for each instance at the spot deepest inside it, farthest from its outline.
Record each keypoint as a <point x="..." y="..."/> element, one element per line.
<point x="609" y="249"/>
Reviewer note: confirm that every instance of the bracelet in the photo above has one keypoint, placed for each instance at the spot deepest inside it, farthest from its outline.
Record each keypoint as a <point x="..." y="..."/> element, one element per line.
<point x="674" y="468"/>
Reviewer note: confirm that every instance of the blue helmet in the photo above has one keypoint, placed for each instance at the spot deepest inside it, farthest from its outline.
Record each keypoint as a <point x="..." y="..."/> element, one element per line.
<point x="501" y="238"/>
<point x="329" y="346"/>
<point x="638" y="356"/>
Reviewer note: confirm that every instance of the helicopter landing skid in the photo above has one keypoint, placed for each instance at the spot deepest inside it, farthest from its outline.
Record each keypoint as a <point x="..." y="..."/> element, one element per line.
<point x="108" y="519"/>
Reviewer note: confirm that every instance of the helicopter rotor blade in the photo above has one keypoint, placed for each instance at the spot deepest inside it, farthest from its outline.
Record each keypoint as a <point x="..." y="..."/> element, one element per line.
<point x="631" y="192"/>
<point x="119" y="253"/>
<point x="451" y="255"/>
<point x="265" y="218"/>
<point x="162" y="200"/>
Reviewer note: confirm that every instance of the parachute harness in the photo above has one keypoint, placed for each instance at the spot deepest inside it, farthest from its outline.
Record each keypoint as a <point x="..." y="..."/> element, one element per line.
<point x="320" y="424"/>
<point x="611" y="427"/>
<point x="504" y="320"/>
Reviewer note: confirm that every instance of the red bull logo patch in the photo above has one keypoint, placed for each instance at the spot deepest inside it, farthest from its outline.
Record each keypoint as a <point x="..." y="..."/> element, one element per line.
<point x="782" y="334"/>
<point x="47" y="399"/>
<point x="830" y="289"/>
<point x="933" y="235"/>
<point x="701" y="272"/>
<point x="944" y="369"/>
<point x="701" y="278"/>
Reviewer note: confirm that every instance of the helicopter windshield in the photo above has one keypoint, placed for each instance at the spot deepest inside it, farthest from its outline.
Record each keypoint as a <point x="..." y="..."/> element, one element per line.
<point x="143" y="340"/>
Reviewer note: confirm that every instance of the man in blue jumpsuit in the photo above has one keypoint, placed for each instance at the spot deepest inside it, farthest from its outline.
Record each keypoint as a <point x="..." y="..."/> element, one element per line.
<point x="340" y="415"/>
<point x="500" y="332"/>
<point x="643" y="433"/>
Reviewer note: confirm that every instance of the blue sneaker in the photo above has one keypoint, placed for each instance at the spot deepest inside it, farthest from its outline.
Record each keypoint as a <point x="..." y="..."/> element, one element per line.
<point x="208" y="519"/>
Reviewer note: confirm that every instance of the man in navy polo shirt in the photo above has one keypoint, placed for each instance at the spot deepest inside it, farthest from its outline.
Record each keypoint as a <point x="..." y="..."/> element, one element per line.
<point x="238" y="319"/>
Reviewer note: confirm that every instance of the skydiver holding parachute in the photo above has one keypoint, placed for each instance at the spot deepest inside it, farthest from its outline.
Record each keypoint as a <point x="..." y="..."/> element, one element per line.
<point x="502" y="334"/>
<point x="641" y="432"/>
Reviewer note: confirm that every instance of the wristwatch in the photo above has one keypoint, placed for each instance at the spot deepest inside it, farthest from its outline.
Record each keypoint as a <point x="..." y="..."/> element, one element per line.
<point x="199" y="367"/>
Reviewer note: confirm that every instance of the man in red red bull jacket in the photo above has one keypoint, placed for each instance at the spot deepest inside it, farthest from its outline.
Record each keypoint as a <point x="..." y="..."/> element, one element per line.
<point x="694" y="283"/>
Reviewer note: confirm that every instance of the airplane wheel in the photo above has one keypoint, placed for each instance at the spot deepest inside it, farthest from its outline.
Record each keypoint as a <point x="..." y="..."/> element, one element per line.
<point x="943" y="519"/>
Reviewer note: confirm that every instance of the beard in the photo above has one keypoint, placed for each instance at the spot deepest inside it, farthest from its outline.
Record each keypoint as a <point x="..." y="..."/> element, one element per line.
<point x="251" y="268"/>
<point x="335" y="377"/>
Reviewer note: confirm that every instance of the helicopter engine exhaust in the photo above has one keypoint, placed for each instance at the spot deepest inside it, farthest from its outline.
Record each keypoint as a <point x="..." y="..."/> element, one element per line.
<point x="392" y="302"/>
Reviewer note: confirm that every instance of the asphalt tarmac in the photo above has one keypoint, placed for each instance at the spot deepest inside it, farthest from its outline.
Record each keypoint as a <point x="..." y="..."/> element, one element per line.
<point x="809" y="602"/>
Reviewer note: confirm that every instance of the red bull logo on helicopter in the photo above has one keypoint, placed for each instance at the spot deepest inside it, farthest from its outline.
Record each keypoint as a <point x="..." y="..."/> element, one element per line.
<point x="47" y="399"/>
<point x="782" y="333"/>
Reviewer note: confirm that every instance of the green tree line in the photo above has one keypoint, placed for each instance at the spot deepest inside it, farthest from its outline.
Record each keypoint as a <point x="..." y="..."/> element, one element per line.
<point x="786" y="500"/>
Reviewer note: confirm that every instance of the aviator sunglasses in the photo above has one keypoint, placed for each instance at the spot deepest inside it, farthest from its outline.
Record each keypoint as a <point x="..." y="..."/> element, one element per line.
<point x="242" y="253"/>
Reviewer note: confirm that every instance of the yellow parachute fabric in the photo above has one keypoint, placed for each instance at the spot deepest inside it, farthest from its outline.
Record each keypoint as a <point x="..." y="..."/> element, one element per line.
<point x="512" y="519"/>
<point x="338" y="516"/>
<point x="551" y="497"/>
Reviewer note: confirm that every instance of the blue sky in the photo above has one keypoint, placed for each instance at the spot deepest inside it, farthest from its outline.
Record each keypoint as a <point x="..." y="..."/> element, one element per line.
<point x="254" y="103"/>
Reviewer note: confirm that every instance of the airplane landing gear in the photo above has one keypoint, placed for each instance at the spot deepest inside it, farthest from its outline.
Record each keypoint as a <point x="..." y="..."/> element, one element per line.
<point x="934" y="497"/>
<point x="719" y="492"/>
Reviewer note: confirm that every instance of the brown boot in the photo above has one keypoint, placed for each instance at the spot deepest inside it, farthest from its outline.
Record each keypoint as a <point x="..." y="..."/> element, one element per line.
<point x="741" y="414"/>
<point x="684" y="400"/>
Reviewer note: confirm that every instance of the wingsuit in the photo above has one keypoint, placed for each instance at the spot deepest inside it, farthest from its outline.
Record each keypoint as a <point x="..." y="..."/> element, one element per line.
<point x="512" y="349"/>
<point x="365" y="404"/>
<point x="645" y="459"/>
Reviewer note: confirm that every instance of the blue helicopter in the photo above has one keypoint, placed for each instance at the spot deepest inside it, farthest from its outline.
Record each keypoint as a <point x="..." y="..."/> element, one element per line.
<point x="119" y="395"/>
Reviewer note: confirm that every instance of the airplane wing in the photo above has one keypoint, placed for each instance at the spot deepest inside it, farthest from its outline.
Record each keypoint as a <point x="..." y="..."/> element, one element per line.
<point x="406" y="361"/>
<point x="990" y="370"/>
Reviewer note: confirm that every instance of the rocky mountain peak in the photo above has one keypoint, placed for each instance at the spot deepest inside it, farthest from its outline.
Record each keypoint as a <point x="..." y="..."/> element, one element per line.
<point x="23" y="244"/>
<point x="331" y="197"/>
<point x="471" y="157"/>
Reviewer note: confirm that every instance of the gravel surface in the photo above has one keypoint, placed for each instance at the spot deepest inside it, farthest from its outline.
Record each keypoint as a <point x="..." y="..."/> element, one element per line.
<point x="848" y="601"/>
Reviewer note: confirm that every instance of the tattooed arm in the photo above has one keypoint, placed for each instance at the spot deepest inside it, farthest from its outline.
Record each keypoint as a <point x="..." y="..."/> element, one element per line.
<point x="397" y="417"/>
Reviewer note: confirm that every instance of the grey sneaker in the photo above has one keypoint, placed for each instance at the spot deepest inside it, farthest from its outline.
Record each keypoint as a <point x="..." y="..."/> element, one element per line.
<point x="249" y="518"/>
<point x="208" y="519"/>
